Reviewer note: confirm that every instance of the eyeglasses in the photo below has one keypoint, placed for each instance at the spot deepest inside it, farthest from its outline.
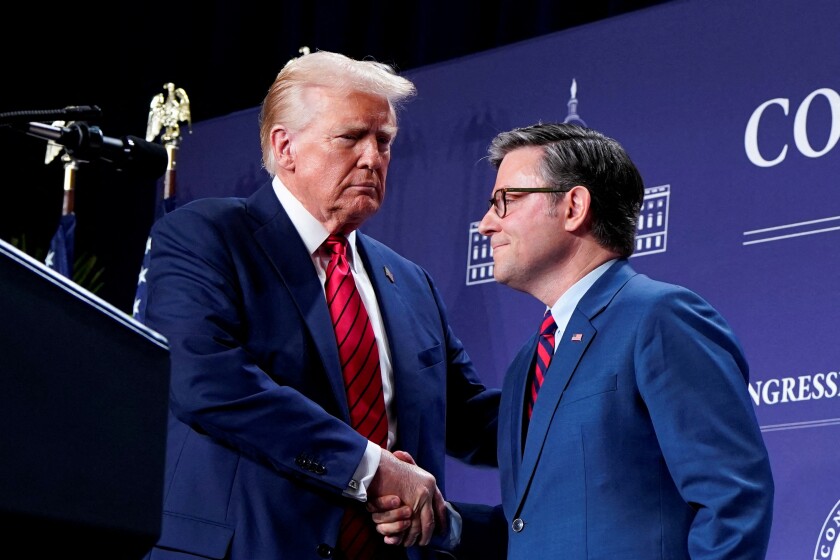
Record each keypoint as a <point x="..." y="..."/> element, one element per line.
<point x="499" y="200"/>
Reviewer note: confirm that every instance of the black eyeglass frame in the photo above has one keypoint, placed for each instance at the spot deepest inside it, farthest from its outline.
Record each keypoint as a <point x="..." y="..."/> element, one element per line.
<point x="494" y="202"/>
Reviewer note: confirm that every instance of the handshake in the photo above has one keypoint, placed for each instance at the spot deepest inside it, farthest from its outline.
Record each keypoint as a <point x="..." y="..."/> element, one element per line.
<point x="405" y="502"/>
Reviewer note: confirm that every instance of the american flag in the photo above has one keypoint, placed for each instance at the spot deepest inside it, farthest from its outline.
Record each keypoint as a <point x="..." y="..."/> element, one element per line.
<point x="577" y="337"/>
<point x="138" y="310"/>
<point x="60" y="253"/>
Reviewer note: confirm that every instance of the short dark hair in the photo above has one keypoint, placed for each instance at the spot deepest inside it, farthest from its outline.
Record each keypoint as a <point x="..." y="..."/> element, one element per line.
<point x="575" y="155"/>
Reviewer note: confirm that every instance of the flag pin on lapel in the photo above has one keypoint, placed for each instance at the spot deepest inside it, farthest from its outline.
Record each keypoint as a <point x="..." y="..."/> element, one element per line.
<point x="389" y="274"/>
<point x="577" y="337"/>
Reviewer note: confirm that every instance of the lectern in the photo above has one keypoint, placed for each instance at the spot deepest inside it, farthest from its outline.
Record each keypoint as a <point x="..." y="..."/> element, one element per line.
<point x="83" y="410"/>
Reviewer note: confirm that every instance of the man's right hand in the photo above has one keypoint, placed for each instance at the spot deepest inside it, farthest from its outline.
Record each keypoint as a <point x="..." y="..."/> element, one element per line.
<point x="415" y="488"/>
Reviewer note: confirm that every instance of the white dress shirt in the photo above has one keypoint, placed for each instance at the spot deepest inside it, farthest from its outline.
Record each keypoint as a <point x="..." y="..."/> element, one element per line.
<point x="313" y="234"/>
<point x="564" y="307"/>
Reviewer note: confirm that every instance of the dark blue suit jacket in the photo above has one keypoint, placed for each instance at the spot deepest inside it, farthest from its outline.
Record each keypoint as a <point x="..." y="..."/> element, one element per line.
<point x="643" y="443"/>
<point x="259" y="448"/>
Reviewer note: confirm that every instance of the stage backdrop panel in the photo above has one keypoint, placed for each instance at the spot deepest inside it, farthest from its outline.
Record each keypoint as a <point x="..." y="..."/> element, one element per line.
<point x="731" y="110"/>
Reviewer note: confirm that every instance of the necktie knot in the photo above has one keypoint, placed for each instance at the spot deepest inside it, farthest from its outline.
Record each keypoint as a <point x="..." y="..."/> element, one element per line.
<point x="337" y="247"/>
<point x="548" y="326"/>
<point x="337" y="244"/>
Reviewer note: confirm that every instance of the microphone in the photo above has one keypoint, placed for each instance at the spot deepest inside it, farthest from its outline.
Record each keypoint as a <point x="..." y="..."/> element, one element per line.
<point x="87" y="143"/>
<point x="72" y="113"/>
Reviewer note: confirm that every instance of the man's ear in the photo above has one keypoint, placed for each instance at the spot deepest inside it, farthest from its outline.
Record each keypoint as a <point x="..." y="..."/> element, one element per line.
<point x="281" y="143"/>
<point x="576" y="208"/>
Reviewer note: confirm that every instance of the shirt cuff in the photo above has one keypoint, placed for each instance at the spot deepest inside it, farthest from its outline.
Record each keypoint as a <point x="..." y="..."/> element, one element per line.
<point x="357" y="488"/>
<point x="449" y="541"/>
<point x="455" y="525"/>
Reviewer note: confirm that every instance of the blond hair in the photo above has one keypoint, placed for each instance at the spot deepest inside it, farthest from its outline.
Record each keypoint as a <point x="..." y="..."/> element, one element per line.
<point x="284" y="103"/>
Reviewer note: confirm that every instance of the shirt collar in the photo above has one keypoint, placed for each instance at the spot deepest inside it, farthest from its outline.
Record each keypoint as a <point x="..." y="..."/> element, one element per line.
<point x="311" y="231"/>
<point x="564" y="307"/>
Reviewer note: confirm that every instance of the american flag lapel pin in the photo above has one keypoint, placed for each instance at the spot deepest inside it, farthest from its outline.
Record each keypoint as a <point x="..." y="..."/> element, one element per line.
<point x="389" y="274"/>
<point x="577" y="337"/>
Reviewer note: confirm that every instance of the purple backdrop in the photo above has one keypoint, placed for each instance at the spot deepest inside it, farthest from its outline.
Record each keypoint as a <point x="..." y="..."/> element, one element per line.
<point x="731" y="111"/>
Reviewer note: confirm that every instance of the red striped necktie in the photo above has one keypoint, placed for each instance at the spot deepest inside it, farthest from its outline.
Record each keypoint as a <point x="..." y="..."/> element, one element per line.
<point x="545" y="351"/>
<point x="363" y="381"/>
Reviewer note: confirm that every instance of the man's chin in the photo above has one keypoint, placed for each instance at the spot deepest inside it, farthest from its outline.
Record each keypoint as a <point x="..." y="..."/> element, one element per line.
<point x="502" y="275"/>
<point x="362" y="209"/>
<point x="499" y="274"/>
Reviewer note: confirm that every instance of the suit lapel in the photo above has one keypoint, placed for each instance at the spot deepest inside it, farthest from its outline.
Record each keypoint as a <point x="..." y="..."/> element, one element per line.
<point x="396" y="318"/>
<point x="563" y="364"/>
<point x="517" y="380"/>
<point x="278" y="238"/>
<point x="577" y="338"/>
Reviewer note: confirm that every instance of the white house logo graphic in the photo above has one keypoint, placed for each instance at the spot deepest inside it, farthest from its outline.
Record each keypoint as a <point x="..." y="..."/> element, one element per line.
<point x="652" y="228"/>
<point x="480" y="258"/>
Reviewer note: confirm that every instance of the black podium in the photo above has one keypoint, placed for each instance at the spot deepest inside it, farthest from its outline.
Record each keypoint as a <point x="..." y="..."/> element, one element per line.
<point x="83" y="409"/>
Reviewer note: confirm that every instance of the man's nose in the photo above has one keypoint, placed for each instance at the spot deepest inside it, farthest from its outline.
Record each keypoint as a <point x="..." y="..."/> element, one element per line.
<point x="370" y="157"/>
<point x="489" y="223"/>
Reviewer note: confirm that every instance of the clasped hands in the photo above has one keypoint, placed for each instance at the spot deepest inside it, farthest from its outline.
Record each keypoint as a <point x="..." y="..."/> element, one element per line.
<point x="405" y="502"/>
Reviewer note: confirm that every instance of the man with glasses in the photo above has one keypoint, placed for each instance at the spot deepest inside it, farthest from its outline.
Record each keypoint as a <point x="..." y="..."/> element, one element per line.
<point x="625" y="429"/>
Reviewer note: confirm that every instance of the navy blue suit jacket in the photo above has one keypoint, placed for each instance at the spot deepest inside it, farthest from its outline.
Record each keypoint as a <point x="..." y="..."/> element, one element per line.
<point x="643" y="442"/>
<point x="259" y="447"/>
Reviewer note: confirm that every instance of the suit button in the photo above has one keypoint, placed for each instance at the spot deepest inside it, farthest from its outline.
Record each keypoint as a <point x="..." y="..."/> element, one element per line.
<point x="324" y="550"/>
<point x="517" y="525"/>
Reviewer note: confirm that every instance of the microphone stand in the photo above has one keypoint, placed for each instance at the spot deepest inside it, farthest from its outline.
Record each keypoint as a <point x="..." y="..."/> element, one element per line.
<point x="71" y="113"/>
<point x="71" y="170"/>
